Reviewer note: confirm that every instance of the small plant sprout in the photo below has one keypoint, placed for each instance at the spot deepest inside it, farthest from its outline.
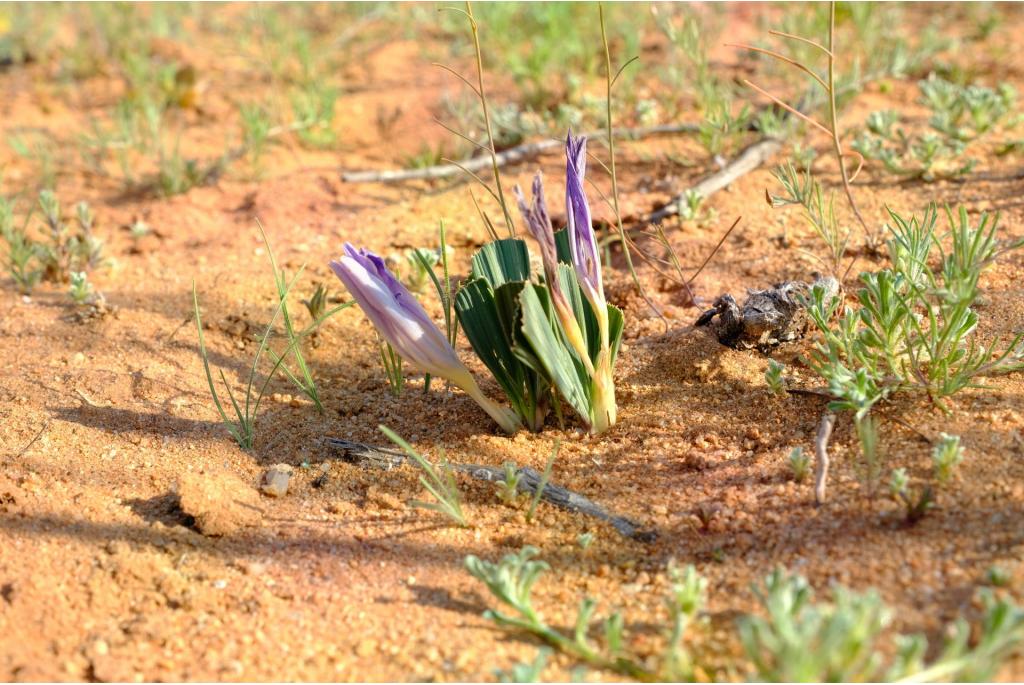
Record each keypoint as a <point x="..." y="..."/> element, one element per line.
<point x="81" y="289"/>
<point x="916" y="504"/>
<point x="303" y="377"/>
<point x="438" y="480"/>
<point x="443" y="287"/>
<point x="529" y="672"/>
<point x="585" y="540"/>
<point x="997" y="576"/>
<point x="508" y="487"/>
<point x="960" y="115"/>
<point x="946" y="456"/>
<point x="139" y="230"/>
<point x="685" y="600"/>
<point x="805" y="191"/>
<point x="543" y="482"/>
<point x="800" y="640"/>
<point x="21" y="260"/>
<point x="403" y="323"/>
<point x="243" y="427"/>
<point x="316" y="305"/>
<point x="773" y="376"/>
<point x="690" y="206"/>
<point x="799" y="464"/>
<point x="392" y="363"/>
<point x="420" y="263"/>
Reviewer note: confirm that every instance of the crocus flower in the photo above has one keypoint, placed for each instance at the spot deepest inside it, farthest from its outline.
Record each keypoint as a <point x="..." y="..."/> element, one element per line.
<point x="582" y="242"/>
<point x="587" y="261"/>
<point x="538" y="222"/>
<point x="402" y="321"/>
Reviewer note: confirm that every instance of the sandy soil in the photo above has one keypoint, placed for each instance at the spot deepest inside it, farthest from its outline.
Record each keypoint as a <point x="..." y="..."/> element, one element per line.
<point x="108" y="435"/>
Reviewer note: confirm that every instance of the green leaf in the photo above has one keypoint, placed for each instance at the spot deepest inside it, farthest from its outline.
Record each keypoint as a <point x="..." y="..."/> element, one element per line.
<point x="484" y="325"/>
<point x="562" y="248"/>
<point x="502" y="261"/>
<point x="616" y="324"/>
<point x="547" y="347"/>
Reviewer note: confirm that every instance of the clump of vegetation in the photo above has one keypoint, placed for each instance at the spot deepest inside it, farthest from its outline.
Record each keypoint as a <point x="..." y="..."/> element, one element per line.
<point x="243" y="427"/>
<point x="56" y="251"/>
<point x="960" y="115"/>
<point x="544" y="340"/>
<point x="511" y="581"/>
<point x="798" y="640"/>
<point x="803" y="641"/>
<point x="914" y="328"/>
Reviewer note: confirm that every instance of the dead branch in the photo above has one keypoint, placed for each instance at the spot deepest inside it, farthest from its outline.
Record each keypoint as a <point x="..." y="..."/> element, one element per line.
<point x="752" y="157"/>
<point x="511" y="156"/>
<point x="821" y="461"/>
<point x="529" y="480"/>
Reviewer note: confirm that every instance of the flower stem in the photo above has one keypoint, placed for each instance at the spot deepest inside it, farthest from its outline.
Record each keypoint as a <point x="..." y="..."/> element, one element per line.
<point x="503" y="416"/>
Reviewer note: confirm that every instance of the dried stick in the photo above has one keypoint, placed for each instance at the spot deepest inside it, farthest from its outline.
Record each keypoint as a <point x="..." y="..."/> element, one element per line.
<point x="750" y="158"/>
<point x="821" y="460"/>
<point x="512" y="155"/>
<point x="529" y="482"/>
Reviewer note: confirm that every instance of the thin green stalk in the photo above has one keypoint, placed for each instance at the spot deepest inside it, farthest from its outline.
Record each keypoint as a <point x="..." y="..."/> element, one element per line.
<point x="487" y="119"/>
<point x="544" y="479"/>
<point x="609" y="81"/>
<point x="834" y="115"/>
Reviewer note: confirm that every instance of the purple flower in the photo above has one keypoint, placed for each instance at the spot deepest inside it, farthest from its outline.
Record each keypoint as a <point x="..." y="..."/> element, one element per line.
<point x="538" y="221"/>
<point x="402" y="321"/>
<point x="582" y="241"/>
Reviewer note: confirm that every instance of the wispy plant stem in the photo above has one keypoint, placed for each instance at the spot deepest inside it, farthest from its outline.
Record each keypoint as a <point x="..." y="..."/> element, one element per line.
<point x="609" y="81"/>
<point x="834" y="116"/>
<point x="487" y="119"/>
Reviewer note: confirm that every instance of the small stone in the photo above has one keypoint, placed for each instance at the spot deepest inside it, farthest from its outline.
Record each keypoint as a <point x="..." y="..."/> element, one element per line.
<point x="275" y="480"/>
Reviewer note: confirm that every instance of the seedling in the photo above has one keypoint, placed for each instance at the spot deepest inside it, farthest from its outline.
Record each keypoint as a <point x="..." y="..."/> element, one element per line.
<point x="529" y="672"/>
<point x="799" y="464"/>
<point x="438" y="480"/>
<point x="303" y="378"/>
<point x="81" y="289"/>
<point x="316" y="305"/>
<point x="392" y="363"/>
<point x="959" y="116"/>
<point x="773" y="377"/>
<point x="508" y="487"/>
<point x="585" y="540"/>
<point x="946" y="456"/>
<point x="997" y="576"/>
<point x="917" y="504"/>
<point x="543" y="483"/>
<point x="804" y="190"/>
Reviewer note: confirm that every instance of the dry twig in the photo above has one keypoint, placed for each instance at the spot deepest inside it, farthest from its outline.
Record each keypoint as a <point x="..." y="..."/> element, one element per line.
<point x="821" y="460"/>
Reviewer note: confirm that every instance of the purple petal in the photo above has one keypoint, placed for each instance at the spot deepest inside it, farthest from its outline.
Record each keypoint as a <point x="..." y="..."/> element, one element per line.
<point x="582" y="240"/>
<point x="398" y="317"/>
